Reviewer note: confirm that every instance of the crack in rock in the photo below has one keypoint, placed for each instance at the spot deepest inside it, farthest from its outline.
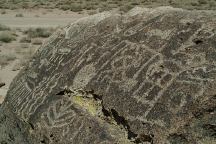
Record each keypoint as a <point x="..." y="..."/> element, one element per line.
<point x="93" y="104"/>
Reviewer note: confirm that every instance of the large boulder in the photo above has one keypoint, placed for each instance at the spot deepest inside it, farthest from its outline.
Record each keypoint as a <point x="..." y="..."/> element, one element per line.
<point x="148" y="76"/>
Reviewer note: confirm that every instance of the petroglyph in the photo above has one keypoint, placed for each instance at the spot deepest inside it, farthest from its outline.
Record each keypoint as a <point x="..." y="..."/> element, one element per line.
<point x="83" y="77"/>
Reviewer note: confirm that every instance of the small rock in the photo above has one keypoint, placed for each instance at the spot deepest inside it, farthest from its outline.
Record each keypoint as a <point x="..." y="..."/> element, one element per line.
<point x="2" y="84"/>
<point x="1" y="100"/>
<point x="16" y="67"/>
<point x="37" y="41"/>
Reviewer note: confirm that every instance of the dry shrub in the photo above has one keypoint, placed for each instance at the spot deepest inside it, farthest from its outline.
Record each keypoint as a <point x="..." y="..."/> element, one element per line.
<point x="7" y="37"/>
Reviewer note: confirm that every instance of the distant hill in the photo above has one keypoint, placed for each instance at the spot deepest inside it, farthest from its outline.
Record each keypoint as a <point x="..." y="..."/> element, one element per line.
<point x="125" y="5"/>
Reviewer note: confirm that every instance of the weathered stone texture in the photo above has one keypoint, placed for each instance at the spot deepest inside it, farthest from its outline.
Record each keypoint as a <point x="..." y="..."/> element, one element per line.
<point x="148" y="76"/>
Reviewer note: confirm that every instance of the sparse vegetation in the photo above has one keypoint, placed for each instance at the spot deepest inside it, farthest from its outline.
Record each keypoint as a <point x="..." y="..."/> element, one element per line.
<point x="126" y="8"/>
<point x="24" y="45"/>
<point x="38" y="32"/>
<point x="4" y="28"/>
<point x="92" y="12"/>
<point x="6" y="59"/>
<point x="76" y="8"/>
<point x="202" y="1"/>
<point x="3" y="12"/>
<point x="19" y="15"/>
<point x="194" y="4"/>
<point x="79" y="5"/>
<point x="7" y="36"/>
<point x="25" y="40"/>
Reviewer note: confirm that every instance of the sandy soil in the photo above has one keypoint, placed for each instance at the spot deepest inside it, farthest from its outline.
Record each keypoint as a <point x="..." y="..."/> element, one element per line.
<point x="39" y="18"/>
<point x="18" y="53"/>
<point x="7" y="75"/>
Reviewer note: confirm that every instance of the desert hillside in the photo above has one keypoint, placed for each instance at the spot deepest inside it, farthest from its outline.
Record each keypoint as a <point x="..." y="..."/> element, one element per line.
<point x="81" y="5"/>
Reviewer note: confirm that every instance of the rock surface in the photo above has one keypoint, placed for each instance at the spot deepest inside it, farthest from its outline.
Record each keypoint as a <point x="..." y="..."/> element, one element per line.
<point x="148" y="76"/>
